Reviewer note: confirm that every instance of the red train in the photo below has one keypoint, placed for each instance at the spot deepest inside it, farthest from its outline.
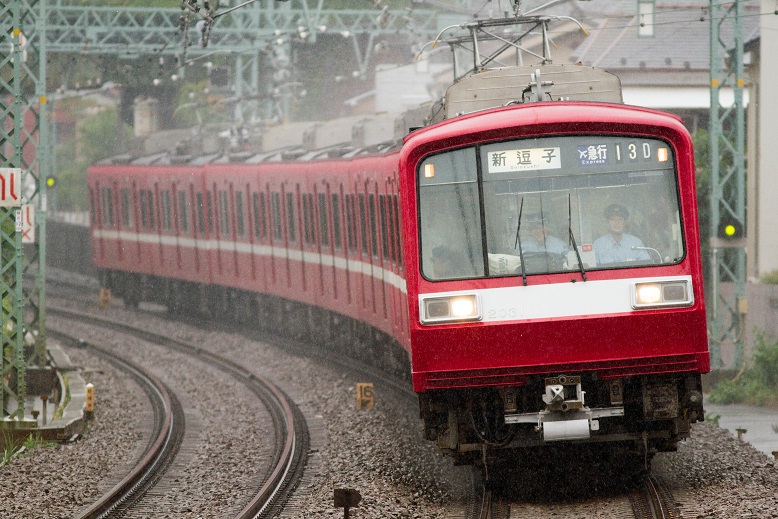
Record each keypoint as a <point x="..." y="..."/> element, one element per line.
<point x="535" y="267"/>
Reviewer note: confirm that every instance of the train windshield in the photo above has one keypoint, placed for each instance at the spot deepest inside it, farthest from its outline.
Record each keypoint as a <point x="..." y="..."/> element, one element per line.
<point x="549" y="205"/>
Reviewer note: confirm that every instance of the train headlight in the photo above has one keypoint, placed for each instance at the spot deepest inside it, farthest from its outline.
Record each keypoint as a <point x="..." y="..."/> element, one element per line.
<point x="659" y="294"/>
<point x="442" y="309"/>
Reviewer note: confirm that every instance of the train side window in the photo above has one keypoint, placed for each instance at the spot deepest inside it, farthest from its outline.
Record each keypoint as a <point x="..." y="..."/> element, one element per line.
<point x="307" y="219"/>
<point x="275" y="202"/>
<point x="363" y="223"/>
<point x="200" y="214"/>
<point x="290" y="218"/>
<point x="336" y="236"/>
<point x="224" y="213"/>
<point x="183" y="212"/>
<point x="351" y="224"/>
<point x="324" y="228"/>
<point x="373" y="226"/>
<point x="107" y="207"/>
<point x="126" y="209"/>
<point x="240" y="215"/>
<point x="167" y="220"/>
<point x="384" y="225"/>
<point x="150" y="200"/>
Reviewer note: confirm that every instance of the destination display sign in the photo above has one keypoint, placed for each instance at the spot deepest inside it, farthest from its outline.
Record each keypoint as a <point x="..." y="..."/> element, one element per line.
<point x="523" y="159"/>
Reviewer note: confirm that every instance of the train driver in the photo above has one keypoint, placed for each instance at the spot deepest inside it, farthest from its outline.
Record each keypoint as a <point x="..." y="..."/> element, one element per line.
<point x="616" y="245"/>
<point x="540" y="240"/>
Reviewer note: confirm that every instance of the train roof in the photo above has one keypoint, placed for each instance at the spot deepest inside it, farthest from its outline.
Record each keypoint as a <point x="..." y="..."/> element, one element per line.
<point x="375" y="133"/>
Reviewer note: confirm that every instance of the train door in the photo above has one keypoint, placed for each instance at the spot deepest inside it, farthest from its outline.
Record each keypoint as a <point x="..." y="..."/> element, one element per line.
<point x="294" y="241"/>
<point x="351" y="247"/>
<point x="104" y="213"/>
<point x="203" y="230"/>
<point x="94" y="221"/>
<point x="366" y="203"/>
<point x="336" y="229"/>
<point x="386" y="249"/>
<point x="185" y="226"/>
<point x="277" y="236"/>
<point x="263" y="255"/>
<point x="139" y="225"/>
<point x="167" y="237"/>
<point x="393" y="257"/>
<point x="157" y="229"/>
<point x="311" y="254"/>
<point x="324" y="225"/>
<point x="226" y="226"/>
<point x="244" y="251"/>
<point x="179" y="225"/>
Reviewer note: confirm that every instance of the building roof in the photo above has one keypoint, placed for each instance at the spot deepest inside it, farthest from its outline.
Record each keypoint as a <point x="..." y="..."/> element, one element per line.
<point x="679" y="47"/>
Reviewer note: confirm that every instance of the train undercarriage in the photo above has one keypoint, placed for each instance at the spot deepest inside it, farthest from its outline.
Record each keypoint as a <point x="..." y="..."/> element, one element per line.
<point x="643" y="414"/>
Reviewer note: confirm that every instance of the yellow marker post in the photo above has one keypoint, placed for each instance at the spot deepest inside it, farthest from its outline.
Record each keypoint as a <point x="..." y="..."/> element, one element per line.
<point x="365" y="397"/>
<point x="89" y="405"/>
<point x="105" y="297"/>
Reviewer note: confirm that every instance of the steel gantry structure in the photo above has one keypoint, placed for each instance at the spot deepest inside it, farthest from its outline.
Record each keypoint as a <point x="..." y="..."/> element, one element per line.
<point x="22" y="107"/>
<point x="244" y="31"/>
<point x="728" y="181"/>
<point x="30" y="30"/>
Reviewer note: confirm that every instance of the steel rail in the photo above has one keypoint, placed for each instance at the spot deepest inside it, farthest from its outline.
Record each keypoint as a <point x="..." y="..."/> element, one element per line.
<point x="287" y="418"/>
<point x="167" y="433"/>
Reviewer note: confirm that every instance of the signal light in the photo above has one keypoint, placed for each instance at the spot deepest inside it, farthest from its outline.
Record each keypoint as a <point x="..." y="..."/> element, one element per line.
<point x="730" y="229"/>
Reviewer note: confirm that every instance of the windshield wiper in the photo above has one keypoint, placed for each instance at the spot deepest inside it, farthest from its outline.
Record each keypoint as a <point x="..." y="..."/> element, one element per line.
<point x="572" y="236"/>
<point x="518" y="243"/>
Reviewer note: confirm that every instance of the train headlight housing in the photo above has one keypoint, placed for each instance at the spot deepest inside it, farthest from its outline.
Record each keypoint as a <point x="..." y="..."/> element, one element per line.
<point x="454" y="308"/>
<point x="660" y="294"/>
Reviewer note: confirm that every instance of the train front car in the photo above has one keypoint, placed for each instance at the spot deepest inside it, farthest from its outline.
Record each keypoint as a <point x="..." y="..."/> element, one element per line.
<point x="558" y="295"/>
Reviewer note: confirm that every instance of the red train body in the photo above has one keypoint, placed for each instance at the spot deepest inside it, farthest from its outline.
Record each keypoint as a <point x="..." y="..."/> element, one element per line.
<point x="512" y="347"/>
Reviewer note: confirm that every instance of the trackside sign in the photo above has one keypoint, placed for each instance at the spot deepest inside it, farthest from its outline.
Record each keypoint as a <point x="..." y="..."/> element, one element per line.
<point x="10" y="187"/>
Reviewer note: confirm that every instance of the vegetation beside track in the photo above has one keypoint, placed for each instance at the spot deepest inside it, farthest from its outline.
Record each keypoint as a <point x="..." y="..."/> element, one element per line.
<point x="757" y="383"/>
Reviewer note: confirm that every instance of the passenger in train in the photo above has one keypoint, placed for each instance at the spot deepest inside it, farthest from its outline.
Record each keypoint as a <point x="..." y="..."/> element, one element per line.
<point x="616" y="245"/>
<point x="540" y="240"/>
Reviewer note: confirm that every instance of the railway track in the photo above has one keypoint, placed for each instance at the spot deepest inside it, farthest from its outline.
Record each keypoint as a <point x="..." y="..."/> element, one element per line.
<point x="167" y="435"/>
<point x="289" y="425"/>
<point x="648" y="498"/>
<point x="653" y="500"/>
